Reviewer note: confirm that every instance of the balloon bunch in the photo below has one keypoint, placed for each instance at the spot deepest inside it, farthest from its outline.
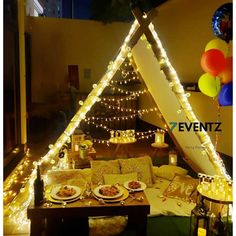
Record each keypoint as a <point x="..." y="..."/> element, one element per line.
<point x="217" y="60"/>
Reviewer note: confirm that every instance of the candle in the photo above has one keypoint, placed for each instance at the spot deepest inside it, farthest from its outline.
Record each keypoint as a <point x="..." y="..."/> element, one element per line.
<point x="159" y="137"/>
<point x="172" y="158"/>
<point x="76" y="147"/>
<point x="201" y="232"/>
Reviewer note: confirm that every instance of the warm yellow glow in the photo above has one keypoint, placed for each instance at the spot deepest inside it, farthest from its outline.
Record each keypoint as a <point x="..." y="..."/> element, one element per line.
<point x="215" y="187"/>
<point x="18" y="215"/>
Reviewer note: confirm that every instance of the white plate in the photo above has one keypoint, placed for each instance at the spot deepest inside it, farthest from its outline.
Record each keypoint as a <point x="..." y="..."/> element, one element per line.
<point x="143" y="185"/>
<point x="56" y="188"/>
<point x="96" y="192"/>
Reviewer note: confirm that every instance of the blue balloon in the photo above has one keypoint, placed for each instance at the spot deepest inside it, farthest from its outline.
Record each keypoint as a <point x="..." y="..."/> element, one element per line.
<point x="222" y="22"/>
<point x="225" y="97"/>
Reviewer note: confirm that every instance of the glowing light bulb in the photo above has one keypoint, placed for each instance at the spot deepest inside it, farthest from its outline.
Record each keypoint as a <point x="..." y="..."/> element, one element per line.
<point x="129" y="54"/>
<point x="81" y="102"/>
<point x="94" y="86"/>
<point x="144" y="16"/>
<point x="143" y="37"/>
<point x="149" y="46"/>
<point x="179" y="111"/>
<point x="188" y="95"/>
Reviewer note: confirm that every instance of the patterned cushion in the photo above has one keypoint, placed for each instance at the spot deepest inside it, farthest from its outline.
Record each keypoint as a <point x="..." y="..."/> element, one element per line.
<point x="169" y="171"/>
<point x="141" y="165"/>
<point x="119" y="178"/>
<point x="181" y="187"/>
<point x="77" y="177"/>
<point x="100" y="168"/>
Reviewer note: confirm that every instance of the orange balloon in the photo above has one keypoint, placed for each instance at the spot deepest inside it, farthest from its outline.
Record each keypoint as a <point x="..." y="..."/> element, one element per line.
<point x="227" y="75"/>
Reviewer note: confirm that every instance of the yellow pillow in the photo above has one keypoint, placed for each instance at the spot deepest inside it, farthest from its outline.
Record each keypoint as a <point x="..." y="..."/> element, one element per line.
<point x="169" y="171"/>
<point x="100" y="168"/>
<point x="119" y="178"/>
<point x="141" y="165"/>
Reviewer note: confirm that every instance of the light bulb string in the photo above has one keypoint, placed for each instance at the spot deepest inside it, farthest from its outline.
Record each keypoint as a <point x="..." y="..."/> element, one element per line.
<point x="109" y="129"/>
<point x="113" y="118"/>
<point x="133" y="111"/>
<point x="106" y="141"/>
<point x="126" y="91"/>
<point x="123" y="98"/>
<point x="172" y="76"/>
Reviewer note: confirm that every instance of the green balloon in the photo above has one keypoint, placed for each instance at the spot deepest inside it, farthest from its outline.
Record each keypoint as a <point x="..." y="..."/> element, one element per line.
<point x="209" y="85"/>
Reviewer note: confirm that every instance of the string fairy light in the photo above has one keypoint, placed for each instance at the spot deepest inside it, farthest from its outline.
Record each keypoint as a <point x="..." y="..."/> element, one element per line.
<point x="18" y="213"/>
<point x="134" y="111"/>
<point x="140" y="136"/>
<point x="125" y="81"/>
<point x="124" y="91"/>
<point x="177" y="88"/>
<point x="112" y="118"/>
<point x="125" y="98"/>
<point x="109" y="129"/>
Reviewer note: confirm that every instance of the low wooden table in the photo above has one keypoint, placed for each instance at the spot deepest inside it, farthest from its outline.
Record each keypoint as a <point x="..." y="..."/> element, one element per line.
<point x="80" y="210"/>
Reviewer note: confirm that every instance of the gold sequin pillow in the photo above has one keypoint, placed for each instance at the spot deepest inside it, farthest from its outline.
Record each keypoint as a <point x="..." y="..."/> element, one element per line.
<point x="100" y="168"/>
<point x="141" y="165"/>
<point x="181" y="187"/>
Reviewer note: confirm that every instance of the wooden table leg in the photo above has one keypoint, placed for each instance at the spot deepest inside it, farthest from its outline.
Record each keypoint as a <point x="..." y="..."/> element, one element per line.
<point x="140" y="223"/>
<point x="35" y="226"/>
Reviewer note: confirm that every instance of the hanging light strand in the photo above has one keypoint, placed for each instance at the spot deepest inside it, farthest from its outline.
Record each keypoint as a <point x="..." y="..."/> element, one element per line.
<point x="178" y="89"/>
<point x="138" y="112"/>
<point x="117" y="100"/>
<point x="125" y="91"/>
<point x="18" y="214"/>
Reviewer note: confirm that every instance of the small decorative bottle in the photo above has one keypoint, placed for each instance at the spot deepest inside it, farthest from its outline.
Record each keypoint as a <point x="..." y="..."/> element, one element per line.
<point x="38" y="189"/>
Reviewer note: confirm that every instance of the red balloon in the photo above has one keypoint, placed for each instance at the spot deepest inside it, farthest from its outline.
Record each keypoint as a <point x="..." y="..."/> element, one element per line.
<point x="227" y="74"/>
<point x="213" y="61"/>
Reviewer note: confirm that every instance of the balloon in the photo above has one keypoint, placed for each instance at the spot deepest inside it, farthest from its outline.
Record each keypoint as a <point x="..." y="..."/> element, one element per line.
<point x="222" y="22"/>
<point x="213" y="61"/>
<point x="227" y="74"/>
<point x="226" y="95"/>
<point x="230" y="49"/>
<point x="209" y="85"/>
<point x="218" y="44"/>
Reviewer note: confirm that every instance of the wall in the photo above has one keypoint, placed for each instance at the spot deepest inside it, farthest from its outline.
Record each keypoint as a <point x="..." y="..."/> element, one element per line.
<point x="184" y="27"/>
<point x="57" y="43"/>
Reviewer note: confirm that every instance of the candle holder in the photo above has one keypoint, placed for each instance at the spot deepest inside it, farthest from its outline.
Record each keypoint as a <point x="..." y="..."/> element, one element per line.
<point x="199" y="224"/>
<point x="173" y="158"/>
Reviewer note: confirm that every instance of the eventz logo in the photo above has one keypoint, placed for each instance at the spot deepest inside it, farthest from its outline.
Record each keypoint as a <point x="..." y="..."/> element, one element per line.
<point x="196" y="126"/>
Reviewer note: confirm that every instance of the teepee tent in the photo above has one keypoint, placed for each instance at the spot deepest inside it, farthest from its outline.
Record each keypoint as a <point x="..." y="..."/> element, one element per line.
<point x="164" y="86"/>
<point x="162" y="82"/>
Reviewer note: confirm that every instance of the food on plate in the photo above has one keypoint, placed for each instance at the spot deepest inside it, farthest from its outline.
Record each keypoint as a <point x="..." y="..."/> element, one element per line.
<point x="134" y="184"/>
<point x="66" y="191"/>
<point x="109" y="191"/>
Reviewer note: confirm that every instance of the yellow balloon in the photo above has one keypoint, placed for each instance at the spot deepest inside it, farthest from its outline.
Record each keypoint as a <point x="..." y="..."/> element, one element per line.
<point x="217" y="44"/>
<point x="209" y="85"/>
<point x="230" y="49"/>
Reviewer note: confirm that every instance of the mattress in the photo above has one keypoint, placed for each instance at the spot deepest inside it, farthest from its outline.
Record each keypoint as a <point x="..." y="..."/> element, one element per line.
<point x="161" y="205"/>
